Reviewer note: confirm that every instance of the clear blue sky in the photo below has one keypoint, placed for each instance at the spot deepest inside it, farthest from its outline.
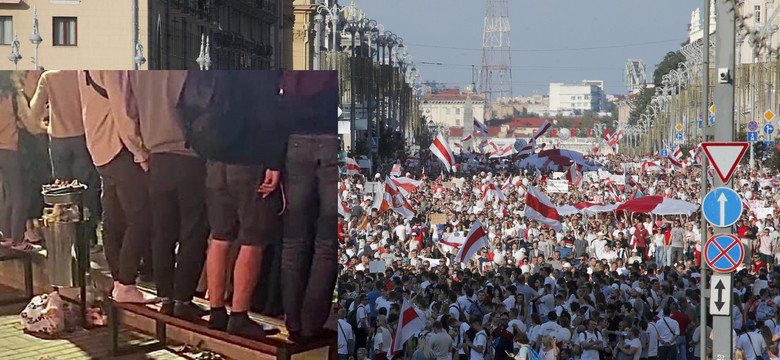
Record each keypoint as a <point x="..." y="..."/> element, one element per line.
<point x="552" y="40"/>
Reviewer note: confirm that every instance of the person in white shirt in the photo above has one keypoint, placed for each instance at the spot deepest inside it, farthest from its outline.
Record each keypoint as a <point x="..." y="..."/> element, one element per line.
<point x="668" y="331"/>
<point x="478" y="346"/>
<point x="591" y="342"/>
<point x="345" y="335"/>
<point x="751" y="342"/>
<point x="652" y="340"/>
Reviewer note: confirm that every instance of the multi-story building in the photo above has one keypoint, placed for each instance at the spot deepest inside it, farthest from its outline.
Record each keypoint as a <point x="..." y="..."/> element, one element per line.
<point x="586" y="96"/>
<point x="79" y="34"/>
<point x="448" y="107"/>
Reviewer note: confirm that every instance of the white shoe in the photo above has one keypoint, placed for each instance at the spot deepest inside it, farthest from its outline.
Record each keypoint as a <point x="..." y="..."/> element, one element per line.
<point x="131" y="294"/>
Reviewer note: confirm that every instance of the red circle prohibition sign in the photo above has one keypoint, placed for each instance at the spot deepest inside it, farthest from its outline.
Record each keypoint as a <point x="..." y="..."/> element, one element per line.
<point x="721" y="252"/>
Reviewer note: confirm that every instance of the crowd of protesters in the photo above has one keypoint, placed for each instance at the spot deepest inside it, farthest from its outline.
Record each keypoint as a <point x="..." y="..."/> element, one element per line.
<point x="606" y="286"/>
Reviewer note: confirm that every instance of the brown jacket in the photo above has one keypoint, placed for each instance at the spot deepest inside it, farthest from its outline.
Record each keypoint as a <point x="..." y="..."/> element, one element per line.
<point x="110" y="124"/>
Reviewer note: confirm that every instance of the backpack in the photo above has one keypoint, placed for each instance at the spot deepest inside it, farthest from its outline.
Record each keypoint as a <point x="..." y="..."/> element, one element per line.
<point x="532" y="354"/>
<point x="99" y="89"/>
<point x="352" y="317"/>
<point x="489" y="352"/>
<point x="461" y="315"/>
<point x="210" y="127"/>
<point x="764" y="310"/>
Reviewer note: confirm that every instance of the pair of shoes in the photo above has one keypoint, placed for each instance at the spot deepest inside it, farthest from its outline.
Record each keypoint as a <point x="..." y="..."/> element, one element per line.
<point x="302" y="337"/>
<point x="242" y="325"/>
<point x="218" y="319"/>
<point x="130" y="294"/>
<point x="188" y="310"/>
<point x="166" y="307"/>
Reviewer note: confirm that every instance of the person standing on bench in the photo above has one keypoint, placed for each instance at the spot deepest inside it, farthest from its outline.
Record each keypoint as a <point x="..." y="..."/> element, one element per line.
<point x="177" y="186"/>
<point x="309" y="261"/>
<point x="67" y="144"/>
<point x="228" y="120"/>
<point x="114" y="142"/>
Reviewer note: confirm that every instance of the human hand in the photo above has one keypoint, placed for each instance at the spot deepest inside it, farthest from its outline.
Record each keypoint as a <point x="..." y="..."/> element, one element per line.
<point x="144" y="166"/>
<point x="270" y="182"/>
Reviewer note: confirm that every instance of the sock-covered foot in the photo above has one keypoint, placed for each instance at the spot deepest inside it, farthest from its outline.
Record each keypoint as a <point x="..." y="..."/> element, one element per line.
<point x="218" y="320"/>
<point x="240" y="324"/>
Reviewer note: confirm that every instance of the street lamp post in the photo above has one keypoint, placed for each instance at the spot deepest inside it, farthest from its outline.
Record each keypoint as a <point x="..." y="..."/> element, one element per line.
<point x="139" y="58"/>
<point x="318" y="20"/>
<point x="35" y="38"/>
<point x="207" y="55"/>
<point x="201" y="60"/>
<point x="15" y="56"/>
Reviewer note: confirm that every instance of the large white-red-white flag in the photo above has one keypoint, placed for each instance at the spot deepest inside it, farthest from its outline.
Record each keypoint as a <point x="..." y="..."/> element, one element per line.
<point x="393" y="199"/>
<point x="351" y="167"/>
<point x="406" y="185"/>
<point x="440" y="148"/>
<point x="475" y="240"/>
<point x="540" y="208"/>
<point x="409" y="324"/>
<point x="478" y="126"/>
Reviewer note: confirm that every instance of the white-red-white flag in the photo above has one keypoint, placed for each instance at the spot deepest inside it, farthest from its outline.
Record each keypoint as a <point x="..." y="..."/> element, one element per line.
<point x="574" y="176"/>
<point x="396" y="170"/>
<point x="651" y="166"/>
<point x="393" y="199"/>
<point x="505" y="185"/>
<point x="406" y="185"/>
<point x="674" y="163"/>
<point x="541" y="130"/>
<point x="492" y="190"/>
<point x="409" y="324"/>
<point x="412" y="161"/>
<point x="475" y="240"/>
<point x="528" y="149"/>
<point x="478" y="126"/>
<point x="467" y="138"/>
<point x="440" y="148"/>
<point x="502" y="152"/>
<point x="540" y="208"/>
<point x="351" y="167"/>
<point x="344" y="210"/>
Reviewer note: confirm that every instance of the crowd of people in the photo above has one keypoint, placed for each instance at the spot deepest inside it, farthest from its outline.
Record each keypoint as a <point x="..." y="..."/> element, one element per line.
<point x="181" y="169"/>
<point x="612" y="285"/>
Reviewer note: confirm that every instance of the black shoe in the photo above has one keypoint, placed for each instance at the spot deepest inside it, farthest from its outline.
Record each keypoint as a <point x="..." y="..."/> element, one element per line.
<point x="188" y="310"/>
<point x="242" y="325"/>
<point x="218" y="320"/>
<point x="167" y="307"/>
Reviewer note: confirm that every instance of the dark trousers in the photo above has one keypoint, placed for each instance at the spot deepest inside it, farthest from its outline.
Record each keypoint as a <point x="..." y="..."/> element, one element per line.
<point x="13" y="209"/>
<point x="127" y="222"/>
<point x="361" y="339"/>
<point x="667" y="352"/>
<point x="177" y="188"/>
<point x="70" y="160"/>
<point x="309" y="260"/>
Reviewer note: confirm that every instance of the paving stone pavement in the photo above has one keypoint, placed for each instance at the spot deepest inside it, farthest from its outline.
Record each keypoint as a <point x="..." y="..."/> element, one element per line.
<point x="80" y="344"/>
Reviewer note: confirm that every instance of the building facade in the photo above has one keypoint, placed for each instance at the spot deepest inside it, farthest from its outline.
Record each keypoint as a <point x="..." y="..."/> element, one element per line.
<point x="583" y="97"/>
<point x="79" y="34"/>
<point x="448" y="108"/>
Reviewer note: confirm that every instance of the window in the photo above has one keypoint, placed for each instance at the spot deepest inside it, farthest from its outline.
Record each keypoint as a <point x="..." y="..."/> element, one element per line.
<point x="587" y="97"/>
<point x="457" y="111"/>
<point x="65" y="31"/>
<point x="6" y="30"/>
<point x="579" y="97"/>
<point x="757" y="13"/>
<point x="574" y="98"/>
<point x="448" y="111"/>
<point x="457" y="122"/>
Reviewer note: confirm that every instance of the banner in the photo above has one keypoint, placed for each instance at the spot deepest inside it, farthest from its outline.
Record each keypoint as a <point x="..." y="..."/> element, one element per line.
<point x="558" y="174"/>
<point x="377" y="266"/>
<point x="558" y="186"/>
<point x="755" y="204"/>
<point x="438" y="219"/>
<point x="604" y="174"/>
<point x="447" y="184"/>
<point x="373" y="187"/>
<point x="762" y="212"/>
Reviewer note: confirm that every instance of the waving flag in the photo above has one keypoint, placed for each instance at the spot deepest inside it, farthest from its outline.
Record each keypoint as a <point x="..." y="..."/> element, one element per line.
<point x="393" y="199"/>
<point x="440" y="148"/>
<point x="528" y="149"/>
<point x="467" y="138"/>
<point x="492" y="190"/>
<point x="674" y="163"/>
<point x="397" y="170"/>
<point x="412" y="161"/>
<point x="475" y="240"/>
<point x="344" y="211"/>
<point x="542" y="129"/>
<point x="351" y="167"/>
<point x="541" y="176"/>
<point x="406" y="185"/>
<point x="478" y="126"/>
<point x="493" y="145"/>
<point x="505" y="185"/>
<point x="502" y="152"/>
<point x="409" y="324"/>
<point x="574" y="176"/>
<point x="539" y="207"/>
<point x="651" y="166"/>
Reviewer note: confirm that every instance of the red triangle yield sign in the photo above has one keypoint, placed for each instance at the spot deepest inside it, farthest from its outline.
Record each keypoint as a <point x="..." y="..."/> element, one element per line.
<point x="724" y="157"/>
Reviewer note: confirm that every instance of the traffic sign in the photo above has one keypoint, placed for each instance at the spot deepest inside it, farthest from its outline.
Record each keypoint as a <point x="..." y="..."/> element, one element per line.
<point x="752" y="136"/>
<point x="712" y="108"/>
<point x="340" y="112"/>
<point x="769" y="144"/>
<point x="374" y="142"/>
<point x="769" y="115"/>
<point x="722" y="207"/>
<point x="720" y="294"/>
<point x="663" y="153"/>
<point x="769" y="129"/>
<point x="752" y="126"/>
<point x="724" y="157"/>
<point x="699" y="124"/>
<point x="723" y="253"/>
<point x="678" y="136"/>
<point x="712" y="119"/>
<point x="678" y="127"/>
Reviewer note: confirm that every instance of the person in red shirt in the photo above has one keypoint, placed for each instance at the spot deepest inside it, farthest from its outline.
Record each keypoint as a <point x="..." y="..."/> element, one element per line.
<point x="741" y="229"/>
<point x="642" y="236"/>
<point x="342" y="231"/>
<point x="682" y="320"/>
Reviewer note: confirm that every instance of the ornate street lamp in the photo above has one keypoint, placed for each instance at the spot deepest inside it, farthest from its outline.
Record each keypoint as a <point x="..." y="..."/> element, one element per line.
<point x="15" y="56"/>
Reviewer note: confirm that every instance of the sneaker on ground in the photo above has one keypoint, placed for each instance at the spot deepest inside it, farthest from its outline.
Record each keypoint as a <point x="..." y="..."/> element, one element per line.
<point x="130" y="294"/>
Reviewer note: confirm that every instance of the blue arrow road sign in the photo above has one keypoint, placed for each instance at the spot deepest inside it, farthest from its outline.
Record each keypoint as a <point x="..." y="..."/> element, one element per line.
<point x="769" y="144"/>
<point x="752" y="126"/>
<point x="724" y="252"/>
<point x="699" y="124"/>
<point x="678" y="135"/>
<point x="752" y="136"/>
<point x="663" y="153"/>
<point x="769" y="129"/>
<point x="722" y="207"/>
<point x="712" y="119"/>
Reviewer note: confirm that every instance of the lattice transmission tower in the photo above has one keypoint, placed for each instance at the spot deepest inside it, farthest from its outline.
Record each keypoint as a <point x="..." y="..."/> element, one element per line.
<point x="635" y="75"/>
<point x="495" y="75"/>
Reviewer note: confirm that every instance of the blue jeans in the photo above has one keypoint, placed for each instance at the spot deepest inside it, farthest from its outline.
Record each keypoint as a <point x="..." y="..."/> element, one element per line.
<point x="681" y="349"/>
<point x="660" y="256"/>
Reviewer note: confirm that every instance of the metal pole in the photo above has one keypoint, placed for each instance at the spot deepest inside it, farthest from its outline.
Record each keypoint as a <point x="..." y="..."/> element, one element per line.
<point x="136" y="65"/>
<point x="753" y="99"/>
<point x="705" y="86"/>
<point x="724" y="132"/>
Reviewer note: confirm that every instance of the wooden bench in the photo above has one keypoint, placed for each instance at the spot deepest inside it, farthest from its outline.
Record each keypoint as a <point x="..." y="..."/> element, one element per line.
<point x="26" y="258"/>
<point x="272" y="346"/>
